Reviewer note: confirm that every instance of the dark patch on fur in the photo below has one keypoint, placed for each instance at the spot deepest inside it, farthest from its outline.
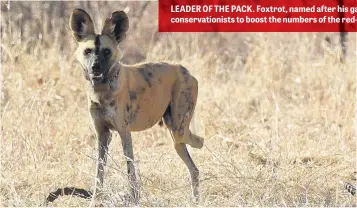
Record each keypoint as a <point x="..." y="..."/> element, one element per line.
<point x="126" y="121"/>
<point x="109" y="125"/>
<point x="185" y="107"/>
<point x="185" y="73"/>
<point x="97" y="44"/>
<point x="132" y="95"/>
<point x="166" y="117"/>
<point x="146" y="75"/>
<point x="132" y="110"/>
<point x="127" y="166"/>
<point x="188" y="97"/>
<point x="112" y="103"/>
<point x="187" y="93"/>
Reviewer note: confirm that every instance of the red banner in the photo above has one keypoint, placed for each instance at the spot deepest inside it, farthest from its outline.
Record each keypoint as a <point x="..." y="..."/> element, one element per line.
<point x="257" y="15"/>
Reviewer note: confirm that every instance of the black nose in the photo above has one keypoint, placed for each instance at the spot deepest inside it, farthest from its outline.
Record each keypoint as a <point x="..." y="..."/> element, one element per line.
<point x="96" y="66"/>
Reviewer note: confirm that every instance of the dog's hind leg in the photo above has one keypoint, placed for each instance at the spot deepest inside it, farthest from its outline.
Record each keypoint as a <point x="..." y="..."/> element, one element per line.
<point x="182" y="109"/>
<point x="185" y="156"/>
<point x="181" y="137"/>
<point x="183" y="103"/>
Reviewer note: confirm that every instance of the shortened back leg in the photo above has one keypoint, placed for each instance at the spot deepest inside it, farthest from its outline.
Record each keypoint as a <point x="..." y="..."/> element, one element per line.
<point x="182" y="109"/>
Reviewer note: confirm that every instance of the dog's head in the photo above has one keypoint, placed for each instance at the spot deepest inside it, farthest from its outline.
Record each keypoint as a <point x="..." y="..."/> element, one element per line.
<point x="97" y="53"/>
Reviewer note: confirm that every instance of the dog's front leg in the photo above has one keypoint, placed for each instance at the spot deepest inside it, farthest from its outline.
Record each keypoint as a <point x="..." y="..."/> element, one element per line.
<point x="129" y="156"/>
<point x="104" y="137"/>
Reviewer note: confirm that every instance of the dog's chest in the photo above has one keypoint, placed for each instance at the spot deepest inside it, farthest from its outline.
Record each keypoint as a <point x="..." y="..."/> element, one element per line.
<point x="109" y="113"/>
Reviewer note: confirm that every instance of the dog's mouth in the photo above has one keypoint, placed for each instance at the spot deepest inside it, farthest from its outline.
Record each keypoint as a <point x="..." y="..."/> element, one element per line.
<point x="97" y="78"/>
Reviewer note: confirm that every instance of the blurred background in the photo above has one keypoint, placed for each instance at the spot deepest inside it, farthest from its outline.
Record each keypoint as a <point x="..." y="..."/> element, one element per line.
<point x="276" y="111"/>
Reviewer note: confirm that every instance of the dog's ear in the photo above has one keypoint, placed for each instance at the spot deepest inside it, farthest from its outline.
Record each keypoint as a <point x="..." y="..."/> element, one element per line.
<point x="116" y="26"/>
<point x="81" y="24"/>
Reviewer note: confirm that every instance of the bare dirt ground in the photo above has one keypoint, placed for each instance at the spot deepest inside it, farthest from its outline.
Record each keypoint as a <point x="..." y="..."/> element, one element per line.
<point x="276" y="111"/>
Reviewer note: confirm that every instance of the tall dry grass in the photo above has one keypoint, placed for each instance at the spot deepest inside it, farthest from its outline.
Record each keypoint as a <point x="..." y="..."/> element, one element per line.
<point x="276" y="110"/>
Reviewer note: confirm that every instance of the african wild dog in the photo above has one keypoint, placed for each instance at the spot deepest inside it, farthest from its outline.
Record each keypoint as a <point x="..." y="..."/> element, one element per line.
<point x="128" y="98"/>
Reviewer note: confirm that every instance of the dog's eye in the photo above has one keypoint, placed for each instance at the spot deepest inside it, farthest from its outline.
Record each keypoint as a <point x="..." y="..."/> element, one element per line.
<point x="107" y="51"/>
<point x="88" y="51"/>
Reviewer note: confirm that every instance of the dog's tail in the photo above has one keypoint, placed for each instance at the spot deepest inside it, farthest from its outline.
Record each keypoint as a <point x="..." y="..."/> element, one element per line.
<point x="82" y="193"/>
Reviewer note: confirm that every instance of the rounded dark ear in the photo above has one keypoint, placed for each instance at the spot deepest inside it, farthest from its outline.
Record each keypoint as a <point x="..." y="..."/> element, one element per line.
<point x="116" y="26"/>
<point x="81" y="24"/>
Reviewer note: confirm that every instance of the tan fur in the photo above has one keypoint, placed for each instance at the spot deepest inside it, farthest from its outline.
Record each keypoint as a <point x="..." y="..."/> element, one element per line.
<point x="136" y="97"/>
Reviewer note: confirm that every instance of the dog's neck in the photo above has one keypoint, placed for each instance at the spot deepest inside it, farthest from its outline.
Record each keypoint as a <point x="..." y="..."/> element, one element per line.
<point x="106" y="93"/>
<point x="114" y="72"/>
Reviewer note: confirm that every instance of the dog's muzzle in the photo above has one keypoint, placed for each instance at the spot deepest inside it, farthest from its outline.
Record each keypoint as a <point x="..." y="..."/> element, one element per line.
<point x="99" y="81"/>
<point x="97" y="78"/>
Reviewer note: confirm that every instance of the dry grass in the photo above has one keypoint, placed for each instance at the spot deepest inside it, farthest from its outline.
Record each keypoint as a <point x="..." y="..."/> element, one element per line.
<point x="276" y="110"/>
